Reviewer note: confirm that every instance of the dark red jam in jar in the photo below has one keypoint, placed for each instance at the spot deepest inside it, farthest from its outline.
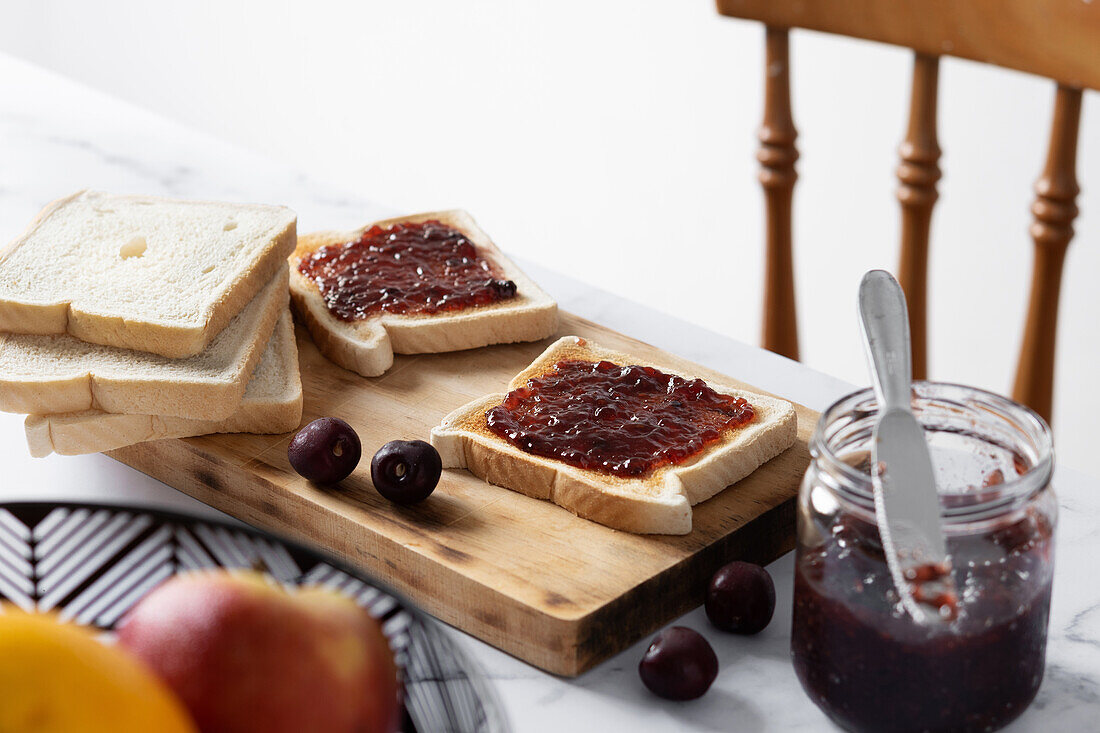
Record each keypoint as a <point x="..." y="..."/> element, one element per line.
<point x="418" y="267"/>
<point x="861" y="658"/>
<point x="622" y="420"/>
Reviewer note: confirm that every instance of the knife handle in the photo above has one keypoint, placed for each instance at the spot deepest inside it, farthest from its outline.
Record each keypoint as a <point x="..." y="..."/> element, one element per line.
<point x="884" y="322"/>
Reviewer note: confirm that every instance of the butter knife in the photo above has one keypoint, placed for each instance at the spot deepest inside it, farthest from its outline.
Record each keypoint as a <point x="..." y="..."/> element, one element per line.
<point x="906" y="501"/>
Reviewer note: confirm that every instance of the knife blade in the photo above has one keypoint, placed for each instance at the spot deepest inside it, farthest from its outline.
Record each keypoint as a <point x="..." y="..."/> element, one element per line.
<point x="907" y="504"/>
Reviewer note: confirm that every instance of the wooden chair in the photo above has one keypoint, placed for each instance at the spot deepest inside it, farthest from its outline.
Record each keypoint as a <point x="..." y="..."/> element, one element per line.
<point x="1058" y="39"/>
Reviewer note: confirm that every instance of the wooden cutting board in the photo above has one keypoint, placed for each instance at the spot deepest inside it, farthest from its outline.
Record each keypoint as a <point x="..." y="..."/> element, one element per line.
<point x="524" y="575"/>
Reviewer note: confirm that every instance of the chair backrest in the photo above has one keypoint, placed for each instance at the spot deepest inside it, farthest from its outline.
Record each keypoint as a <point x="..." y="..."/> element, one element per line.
<point x="1059" y="39"/>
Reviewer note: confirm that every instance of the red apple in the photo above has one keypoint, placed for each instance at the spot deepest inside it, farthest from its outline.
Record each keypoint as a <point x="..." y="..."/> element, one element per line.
<point x="247" y="656"/>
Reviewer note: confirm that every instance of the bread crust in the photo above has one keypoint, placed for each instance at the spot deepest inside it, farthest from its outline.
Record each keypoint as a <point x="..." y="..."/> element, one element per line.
<point x="95" y="432"/>
<point x="367" y="346"/>
<point x="173" y="340"/>
<point x="659" y="503"/>
<point x="200" y="399"/>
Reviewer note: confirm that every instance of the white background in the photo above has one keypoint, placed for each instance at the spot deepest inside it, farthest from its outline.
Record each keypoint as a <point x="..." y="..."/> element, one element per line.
<point x="614" y="141"/>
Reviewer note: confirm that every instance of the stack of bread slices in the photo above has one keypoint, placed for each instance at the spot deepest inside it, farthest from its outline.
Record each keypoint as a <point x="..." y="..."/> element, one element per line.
<point x="131" y="318"/>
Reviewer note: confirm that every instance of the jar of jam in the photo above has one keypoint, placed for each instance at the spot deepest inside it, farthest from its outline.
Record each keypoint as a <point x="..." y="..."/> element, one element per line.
<point x="861" y="658"/>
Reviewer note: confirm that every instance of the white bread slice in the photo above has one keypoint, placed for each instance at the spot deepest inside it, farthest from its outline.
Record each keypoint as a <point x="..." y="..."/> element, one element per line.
<point x="48" y="374"/>
<point x="368" y="346"/>
<point x="139" y="272"/>
<point x="658" y="503"/>
<point x="272" y="403"/>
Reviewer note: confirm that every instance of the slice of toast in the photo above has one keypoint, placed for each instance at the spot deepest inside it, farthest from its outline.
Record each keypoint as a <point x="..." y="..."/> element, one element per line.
<point x="41" y="375"/>
<point x="140" y="272"/>
<point x="658" y="503"/>
<point x="367" y="346"/>
<point x="272" y="403"/>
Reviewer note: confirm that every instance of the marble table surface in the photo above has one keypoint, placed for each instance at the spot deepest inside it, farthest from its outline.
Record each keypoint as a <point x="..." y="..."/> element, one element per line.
<point x="57" y="137"/>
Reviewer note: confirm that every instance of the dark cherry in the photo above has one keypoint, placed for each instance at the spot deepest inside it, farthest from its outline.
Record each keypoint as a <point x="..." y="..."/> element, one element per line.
<point x="679" y="664"/>
<point x="406" y="471"/>
<point x="741" y="598"/>
<point x="325" y="451"/>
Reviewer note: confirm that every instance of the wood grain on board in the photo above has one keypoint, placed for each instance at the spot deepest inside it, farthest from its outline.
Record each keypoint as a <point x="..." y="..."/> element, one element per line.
<point x="524" y="575"/>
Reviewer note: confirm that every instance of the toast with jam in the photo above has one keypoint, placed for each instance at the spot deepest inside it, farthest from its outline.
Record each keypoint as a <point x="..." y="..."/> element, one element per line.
<point x="426" y="283"/>
<point x="628" y="444"/>
<point x="145" y="273"/>
<point x="272" y="403"/>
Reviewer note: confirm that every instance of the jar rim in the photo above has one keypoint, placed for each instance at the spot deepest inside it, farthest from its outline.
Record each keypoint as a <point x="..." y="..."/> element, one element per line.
<point x="1028" y="423"/>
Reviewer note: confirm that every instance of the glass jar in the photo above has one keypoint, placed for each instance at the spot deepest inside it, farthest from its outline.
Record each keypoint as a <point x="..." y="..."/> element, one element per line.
<point x="860" y="657"/>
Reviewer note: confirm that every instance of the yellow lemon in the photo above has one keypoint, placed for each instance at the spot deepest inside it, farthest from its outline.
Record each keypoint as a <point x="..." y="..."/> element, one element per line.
<point x="58" y="678"/>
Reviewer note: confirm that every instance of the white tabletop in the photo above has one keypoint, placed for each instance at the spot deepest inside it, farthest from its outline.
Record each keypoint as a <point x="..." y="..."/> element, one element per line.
<point x="57" y="137"/>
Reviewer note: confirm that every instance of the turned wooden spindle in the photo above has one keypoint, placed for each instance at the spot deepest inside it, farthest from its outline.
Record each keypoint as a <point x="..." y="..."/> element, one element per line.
<point x="1054" y="210"/>
<point x="918" y="173"/>
<point x="777" y="156"/>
